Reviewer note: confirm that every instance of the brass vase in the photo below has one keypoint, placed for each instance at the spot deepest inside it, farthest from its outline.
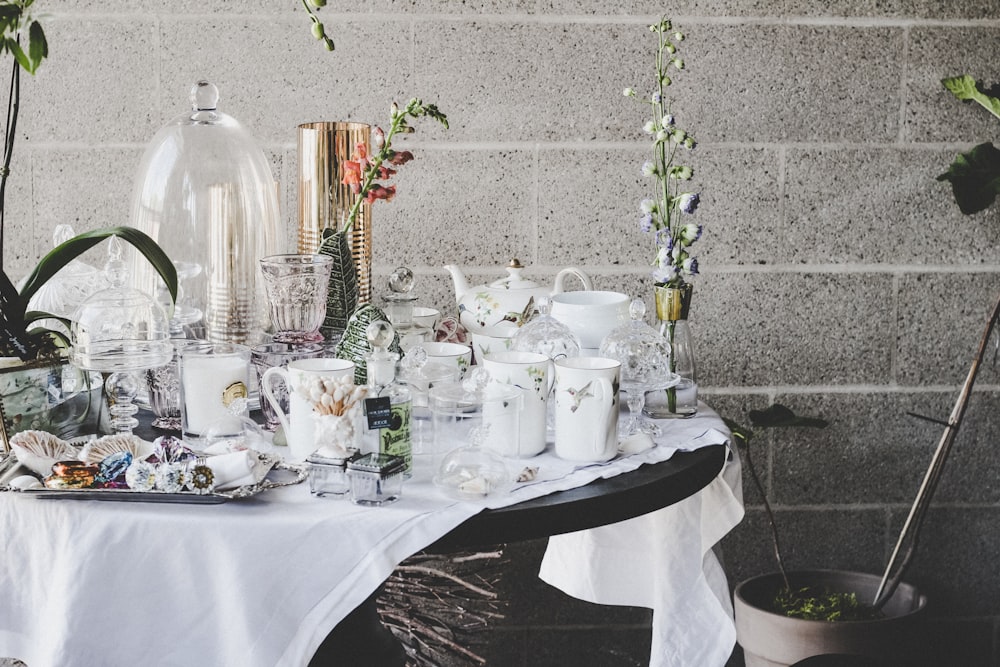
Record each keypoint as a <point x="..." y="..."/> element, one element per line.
<point x="324" y="201"/>
<point x="673" y="304"/>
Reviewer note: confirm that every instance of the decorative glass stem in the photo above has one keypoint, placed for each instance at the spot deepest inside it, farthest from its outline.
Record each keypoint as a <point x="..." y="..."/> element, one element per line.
<point x="672" y="307"/>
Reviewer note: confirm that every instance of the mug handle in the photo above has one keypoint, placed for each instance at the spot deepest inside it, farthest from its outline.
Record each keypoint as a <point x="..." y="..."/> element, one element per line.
<point x="572" y="271"/>
<point x="265" y="388"/>
<point x="602" y="393"/>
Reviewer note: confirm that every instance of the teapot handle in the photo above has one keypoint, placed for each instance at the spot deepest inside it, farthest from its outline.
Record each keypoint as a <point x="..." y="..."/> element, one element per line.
<point x="572" y="271"/>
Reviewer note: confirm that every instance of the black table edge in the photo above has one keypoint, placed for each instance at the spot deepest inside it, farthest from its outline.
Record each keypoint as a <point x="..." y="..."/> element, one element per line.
<point x="601" y="502"/>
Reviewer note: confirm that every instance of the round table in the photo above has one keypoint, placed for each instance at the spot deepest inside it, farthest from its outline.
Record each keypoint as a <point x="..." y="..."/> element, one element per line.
<point x="361" y="639"/>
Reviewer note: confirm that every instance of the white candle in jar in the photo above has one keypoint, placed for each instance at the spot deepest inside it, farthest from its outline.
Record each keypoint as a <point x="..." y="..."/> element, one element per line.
<point x="210" y="382"/>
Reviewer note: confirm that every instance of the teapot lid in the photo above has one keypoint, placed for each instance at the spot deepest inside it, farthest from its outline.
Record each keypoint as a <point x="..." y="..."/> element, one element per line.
<point x="514" y="279"/>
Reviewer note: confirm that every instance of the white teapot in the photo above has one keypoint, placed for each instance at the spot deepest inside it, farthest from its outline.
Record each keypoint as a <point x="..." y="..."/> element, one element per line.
<point x="500" y="305"/>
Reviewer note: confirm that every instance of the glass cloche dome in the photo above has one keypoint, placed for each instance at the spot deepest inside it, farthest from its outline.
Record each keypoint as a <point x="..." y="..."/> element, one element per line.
<point x="204" y="191"/>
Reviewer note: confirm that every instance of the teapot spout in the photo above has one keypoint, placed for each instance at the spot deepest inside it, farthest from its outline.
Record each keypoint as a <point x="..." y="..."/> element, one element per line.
<point x="459" y="281"/>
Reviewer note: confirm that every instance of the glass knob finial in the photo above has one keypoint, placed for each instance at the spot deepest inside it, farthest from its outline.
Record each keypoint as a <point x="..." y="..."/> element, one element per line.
<point x="401" y="280"/>
<point x="637" y="309"/>
<point x="380" y="334"/>
<point x="204" y="96"/>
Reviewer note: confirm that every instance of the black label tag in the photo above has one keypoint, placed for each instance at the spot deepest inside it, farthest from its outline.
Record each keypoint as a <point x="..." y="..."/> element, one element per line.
<point x="378" y="411"/>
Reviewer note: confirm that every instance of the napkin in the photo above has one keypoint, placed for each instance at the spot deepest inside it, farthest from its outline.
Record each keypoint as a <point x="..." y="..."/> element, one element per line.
<point x="236" y="469"/>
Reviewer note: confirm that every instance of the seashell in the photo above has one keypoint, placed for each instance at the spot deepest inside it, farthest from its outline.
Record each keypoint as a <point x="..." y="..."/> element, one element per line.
<point x="38" y="450"/>
<point x="25" y="483"/>
<point x="96" y="451"/>
<point x="529" y="474"/>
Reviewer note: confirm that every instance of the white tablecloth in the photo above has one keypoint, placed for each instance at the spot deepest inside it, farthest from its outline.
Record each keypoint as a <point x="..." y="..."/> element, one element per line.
<point x="252" y="582"/>
<point x="664" y="561"/>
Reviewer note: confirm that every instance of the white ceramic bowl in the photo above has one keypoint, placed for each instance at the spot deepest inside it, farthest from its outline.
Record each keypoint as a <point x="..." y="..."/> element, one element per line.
<point x="450" y="353"/>
<point x="425" y="317"/>
<point x="591" y="315"/>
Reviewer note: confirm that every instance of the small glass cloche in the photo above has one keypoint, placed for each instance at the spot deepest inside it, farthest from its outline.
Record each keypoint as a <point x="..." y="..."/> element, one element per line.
<point x="546" y="335"/>
<point x="645" y="358"/>
<point x="120" y="330"/>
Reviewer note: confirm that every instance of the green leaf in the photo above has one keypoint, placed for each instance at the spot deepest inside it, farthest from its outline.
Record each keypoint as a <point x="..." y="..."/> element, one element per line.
<point x="66" y="252"/>
<point x="975" y="178"/>
<point x="38" y="46"/>
<point x="779" y="415"/>
<point x="19" y="55"/>
<point x="36" y="315"/>
<point x="965" y="88"/>
<point x="342" y="292"/>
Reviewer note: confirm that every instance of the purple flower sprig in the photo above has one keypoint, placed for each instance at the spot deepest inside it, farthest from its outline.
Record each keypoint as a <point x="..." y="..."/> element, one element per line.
<point x="662" y="214"/>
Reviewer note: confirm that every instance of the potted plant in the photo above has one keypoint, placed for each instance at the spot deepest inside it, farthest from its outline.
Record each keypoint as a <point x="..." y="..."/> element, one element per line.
<point x="786" y="616"/>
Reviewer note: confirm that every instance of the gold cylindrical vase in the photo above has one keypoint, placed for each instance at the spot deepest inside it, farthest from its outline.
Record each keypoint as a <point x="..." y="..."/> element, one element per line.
<point x="324" y="202"/>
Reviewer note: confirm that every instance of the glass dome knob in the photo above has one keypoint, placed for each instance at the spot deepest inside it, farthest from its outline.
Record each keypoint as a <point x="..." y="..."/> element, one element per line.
<point x="204" y="96"/>
<point x="476" y="381"/>
<point x="637" y="310"/>
<point x="401" y="280"/>
<point x="380" y="334"/>
<point x="116" y="270"/>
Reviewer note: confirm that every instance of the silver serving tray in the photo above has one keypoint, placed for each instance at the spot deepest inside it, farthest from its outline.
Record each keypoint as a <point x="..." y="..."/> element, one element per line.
<point x="280" y="474"/>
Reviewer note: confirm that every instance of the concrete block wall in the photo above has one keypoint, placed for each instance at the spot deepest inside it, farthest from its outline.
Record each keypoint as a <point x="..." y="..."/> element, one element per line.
<point x="838" y="276"/>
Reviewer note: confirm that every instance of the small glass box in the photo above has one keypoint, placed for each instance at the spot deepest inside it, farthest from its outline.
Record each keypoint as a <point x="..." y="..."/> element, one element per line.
<point x="328" y="475"/>
<point x="376" y="479"/>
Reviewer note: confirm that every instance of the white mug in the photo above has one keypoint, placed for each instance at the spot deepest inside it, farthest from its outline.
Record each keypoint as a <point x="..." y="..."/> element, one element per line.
<point x="591" y="315"/>
<point x="299" y="424"/>
<point x="586" y="412"/>
<point x="531" y="373"/>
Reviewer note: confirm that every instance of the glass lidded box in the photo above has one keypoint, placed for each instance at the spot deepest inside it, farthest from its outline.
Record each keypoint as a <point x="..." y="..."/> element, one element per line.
<point x="476" y="403"/>
<point x="205" y="192"/>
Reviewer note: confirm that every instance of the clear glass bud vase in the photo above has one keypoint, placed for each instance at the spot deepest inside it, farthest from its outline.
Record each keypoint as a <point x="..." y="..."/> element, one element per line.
<point x="672" y="307"/>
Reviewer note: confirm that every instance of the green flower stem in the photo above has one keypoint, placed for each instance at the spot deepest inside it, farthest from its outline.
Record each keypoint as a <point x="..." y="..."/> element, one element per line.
<point x="398" y="121"/>
<point x="672" y="391"/>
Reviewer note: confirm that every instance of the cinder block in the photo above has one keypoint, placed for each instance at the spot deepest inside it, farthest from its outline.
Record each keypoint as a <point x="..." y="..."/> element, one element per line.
<point x="936" y="52"/>
<point x="510" y="81"/>
<point x="953" y="565"/>
<point x="19" y="251"/>
<point x="844" y="539"/>
<point x="878" y="206"/>
<point x="453" y="8"/>
<point x="737" y="408"/>
<point x="972" y="474"/>
<point x="790" y="328"/>
<point x="97" y="85"/>
<point x="470" y="207"/>
<point x="272" y="77"/>
<point x="929" y="354"/>
<point x="589" y="206"/>
<point x="86" y="188"/>
<point x="871" y="452"/>
<point x="780" y="8"/>
<point x="749" y="82"/>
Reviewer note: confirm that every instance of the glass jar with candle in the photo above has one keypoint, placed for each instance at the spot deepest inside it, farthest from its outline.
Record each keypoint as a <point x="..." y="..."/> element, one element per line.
<point x="214" y="388"/>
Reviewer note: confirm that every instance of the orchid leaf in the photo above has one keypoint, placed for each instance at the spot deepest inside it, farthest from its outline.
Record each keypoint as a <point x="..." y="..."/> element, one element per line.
<point x="66" y="252"/>
<point x="975" y="178"/>
<point x="36" y="315"/>
<point x="965" y="88"/>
